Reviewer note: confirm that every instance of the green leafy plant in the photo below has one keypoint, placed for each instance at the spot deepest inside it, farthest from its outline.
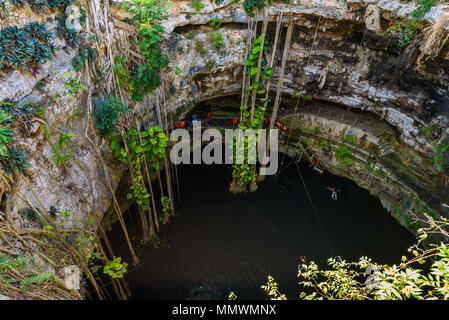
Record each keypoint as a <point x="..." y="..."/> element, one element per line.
<point x="36" y="279"/>
<point x="438" y="159"/>
<point x="197" y="5"/>
<point x="14" y="161"/>
<point x="107" y="114"/>
<point x="199" y="47"/>
<point x="122" y="73"/>
<point x="85" y="55"/>
<point x="26" y="47"/>
<point x="344" y="156"/>
<point x="272" y="289"/>
<point x="323" y="144"/>
<point x="406" y="31"/>
<point x="29" y="214"/>
<point x="412" y="26"/>
<point x="149" y="14"/>
<point x="210" y="65"/>
<point x="10" y="267"/>
<point x="115" y="268"/>
<point x="217" y="39"/>
<point x="53" y="211"/>
<point x="23" y="113"/>
<point x="178" y="71"/>
<point x="252" y="5"/>
<point x="60" y="154"/>
<point x="367" y="280"/>
<point x="56" y="97"/>
<point x="244" y="172"/>
<point x="5" y="133"/>
<point x="428" y="131"/>
<point x="150" y="146"/>
<point x="165" y="208"/>
<point x="215" y="23"/>
<point x="73" y="85"/>
<point x="191" y="35"/>
<point x="351" y="139"/>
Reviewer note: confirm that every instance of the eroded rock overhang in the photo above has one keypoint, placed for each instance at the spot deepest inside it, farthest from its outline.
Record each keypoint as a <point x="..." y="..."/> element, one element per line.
<point x="342" y="56"/>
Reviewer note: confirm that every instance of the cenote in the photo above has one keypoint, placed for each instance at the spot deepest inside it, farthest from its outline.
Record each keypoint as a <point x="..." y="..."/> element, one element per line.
<point x="95" y="206"/>
<point x="218" y="242"/>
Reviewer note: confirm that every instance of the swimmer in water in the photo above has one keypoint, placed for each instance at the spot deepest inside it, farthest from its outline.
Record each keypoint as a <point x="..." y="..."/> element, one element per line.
<point x="334" y="193"/>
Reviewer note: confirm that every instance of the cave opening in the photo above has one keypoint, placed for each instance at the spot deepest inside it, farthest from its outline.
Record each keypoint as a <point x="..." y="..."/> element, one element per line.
<point x="218" y="242"/>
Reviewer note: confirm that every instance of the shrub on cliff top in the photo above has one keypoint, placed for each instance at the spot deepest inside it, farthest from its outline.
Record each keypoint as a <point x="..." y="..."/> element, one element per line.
<point x="149" y="14"/>
<point x="251" y="5"/>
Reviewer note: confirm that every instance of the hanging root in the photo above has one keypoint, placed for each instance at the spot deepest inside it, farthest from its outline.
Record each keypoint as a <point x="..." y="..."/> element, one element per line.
<point x="253" y="186"/>
<point x="236" y="188"/>
<point x="5" y="182"/>
<point x="432" y="39"/>
<point x="21" y="276"/>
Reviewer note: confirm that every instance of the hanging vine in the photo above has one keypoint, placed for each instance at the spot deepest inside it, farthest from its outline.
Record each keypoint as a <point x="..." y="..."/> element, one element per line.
<point x="152" y="147"/>
<point x="244" y="174"/>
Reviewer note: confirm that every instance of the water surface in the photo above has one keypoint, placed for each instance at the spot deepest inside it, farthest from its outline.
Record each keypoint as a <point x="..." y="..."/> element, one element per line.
<point x="220" y="243"/>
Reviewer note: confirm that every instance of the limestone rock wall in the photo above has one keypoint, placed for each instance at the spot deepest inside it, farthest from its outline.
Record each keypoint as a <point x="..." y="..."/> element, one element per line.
<point x="352" y="64"/>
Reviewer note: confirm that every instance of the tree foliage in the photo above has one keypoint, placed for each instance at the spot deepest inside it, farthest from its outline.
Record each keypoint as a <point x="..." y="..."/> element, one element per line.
<point x="107" y="114"/>
<point x="367" y="280"/>
<point x="149" y="14"/>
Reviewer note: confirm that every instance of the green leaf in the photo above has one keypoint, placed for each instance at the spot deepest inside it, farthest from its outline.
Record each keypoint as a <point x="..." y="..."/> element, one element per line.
<point x="254" y="71"/>
<point x="269" y="71"/>
<point x="115" y="144"/>
<point x="138" y="149"/>
<point x="255" y="50"/>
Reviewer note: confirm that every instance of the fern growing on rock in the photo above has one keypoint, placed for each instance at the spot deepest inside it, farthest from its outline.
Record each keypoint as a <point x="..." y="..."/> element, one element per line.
<point x="107" y="115"/>
<point x="26" y="47"/>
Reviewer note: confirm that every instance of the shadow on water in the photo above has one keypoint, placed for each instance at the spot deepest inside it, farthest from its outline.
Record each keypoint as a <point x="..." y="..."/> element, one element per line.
<point x="220" y="243"/>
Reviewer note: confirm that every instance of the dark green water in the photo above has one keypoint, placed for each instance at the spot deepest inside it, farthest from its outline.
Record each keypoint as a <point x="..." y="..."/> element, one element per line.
<point x="220" y="243"/>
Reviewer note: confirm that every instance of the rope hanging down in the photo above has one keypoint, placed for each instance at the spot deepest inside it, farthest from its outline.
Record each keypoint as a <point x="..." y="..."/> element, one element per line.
<point x="301" y="87"/>
<point x="315" y="212"/>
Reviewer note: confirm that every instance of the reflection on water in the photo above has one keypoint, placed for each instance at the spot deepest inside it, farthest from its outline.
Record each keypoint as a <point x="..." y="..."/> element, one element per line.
<point x="220" y="243"/>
